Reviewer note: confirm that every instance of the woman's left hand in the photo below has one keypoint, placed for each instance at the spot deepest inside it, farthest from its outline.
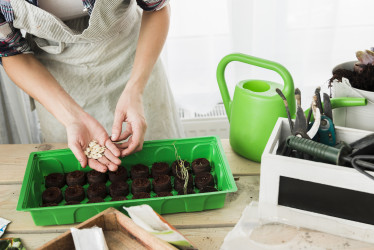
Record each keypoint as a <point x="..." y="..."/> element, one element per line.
<point x="130" y="110"/>
<point x="152" y="36"/>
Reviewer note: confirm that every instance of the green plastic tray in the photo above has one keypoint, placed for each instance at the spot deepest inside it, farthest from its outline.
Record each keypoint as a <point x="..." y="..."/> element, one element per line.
<point x="40" y="164"/>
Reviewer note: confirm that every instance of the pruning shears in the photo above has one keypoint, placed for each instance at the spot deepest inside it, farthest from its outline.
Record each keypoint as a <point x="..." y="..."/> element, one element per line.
<point x="321" y="128"/>
<point x="301" y="126"/>
<point x="326" y="131"/>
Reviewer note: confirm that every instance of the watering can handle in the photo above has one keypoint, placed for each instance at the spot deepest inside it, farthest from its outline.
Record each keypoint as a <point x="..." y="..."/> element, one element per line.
<point x="282" y="71"/>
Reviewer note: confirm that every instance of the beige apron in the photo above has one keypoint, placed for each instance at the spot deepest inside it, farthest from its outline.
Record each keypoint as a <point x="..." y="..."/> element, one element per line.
<point x="91" y="57"/>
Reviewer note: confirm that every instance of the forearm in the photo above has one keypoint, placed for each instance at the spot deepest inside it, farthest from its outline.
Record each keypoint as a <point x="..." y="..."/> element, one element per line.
<point x="152" y="36"/>
<point x="31" y="76"/>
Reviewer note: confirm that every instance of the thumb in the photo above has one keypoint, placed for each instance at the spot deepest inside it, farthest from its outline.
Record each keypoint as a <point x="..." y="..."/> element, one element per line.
<point x="117" y="127"/>
<point x="79" y="154"/>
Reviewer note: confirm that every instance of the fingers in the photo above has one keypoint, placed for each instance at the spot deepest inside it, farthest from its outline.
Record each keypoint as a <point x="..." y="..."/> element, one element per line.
<point x="106" y="161"/>
<point x="129" y="147"/>
<point x="138" y="134"/>
<point x="113" y="149"/>
<point x="135" y="143"/>
<point x="79" y="154"/>
<point x="113" y="160"/>
<point x="109" y="157"/>
<point x="95" y="164"/>
<point x="117" y="127"/>
<point x="126" y="133"/>
<point x="136" y="130"/>
<point x="124" y="145"/>
<point x="110" y="165"/>
<point x="132" y="148"/>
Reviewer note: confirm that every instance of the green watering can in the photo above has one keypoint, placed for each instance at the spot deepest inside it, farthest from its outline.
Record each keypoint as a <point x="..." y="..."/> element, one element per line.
<point x="256" y="106"/>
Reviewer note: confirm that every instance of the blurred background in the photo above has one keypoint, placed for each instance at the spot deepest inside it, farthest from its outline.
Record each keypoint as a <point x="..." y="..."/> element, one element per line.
<point x="307" y="37"/>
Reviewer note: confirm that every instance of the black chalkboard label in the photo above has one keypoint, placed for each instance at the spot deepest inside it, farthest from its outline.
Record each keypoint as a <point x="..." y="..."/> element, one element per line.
<point x="325" y="199"/>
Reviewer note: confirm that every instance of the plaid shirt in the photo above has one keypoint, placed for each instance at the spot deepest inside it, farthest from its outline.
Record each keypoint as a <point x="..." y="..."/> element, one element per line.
<point x="11" y="40"/>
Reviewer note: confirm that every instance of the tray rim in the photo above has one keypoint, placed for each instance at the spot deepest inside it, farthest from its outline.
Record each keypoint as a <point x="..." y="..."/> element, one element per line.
<point x="32" y="155"/>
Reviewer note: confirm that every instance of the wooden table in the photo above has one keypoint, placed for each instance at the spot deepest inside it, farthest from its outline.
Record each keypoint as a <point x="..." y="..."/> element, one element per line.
<point x="206" y="229"/>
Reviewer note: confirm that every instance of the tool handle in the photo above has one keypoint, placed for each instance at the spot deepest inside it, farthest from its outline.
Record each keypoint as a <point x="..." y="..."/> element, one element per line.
<point x="340" y="102"/>
<point x="318" y="150"/>
<point x="282" y="71"/>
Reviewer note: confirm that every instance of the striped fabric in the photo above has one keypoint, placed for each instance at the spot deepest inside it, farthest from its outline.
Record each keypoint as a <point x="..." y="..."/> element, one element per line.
<point x="11" y="40"/>
<point x="88" y="4"/>
<point x="96" y="65"/>
<point x="7" y="11"/>
<point x="151" y="5"/>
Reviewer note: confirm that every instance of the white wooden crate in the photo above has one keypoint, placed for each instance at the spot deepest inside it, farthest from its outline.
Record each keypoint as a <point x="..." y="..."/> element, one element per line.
<point x="279" y="171"/>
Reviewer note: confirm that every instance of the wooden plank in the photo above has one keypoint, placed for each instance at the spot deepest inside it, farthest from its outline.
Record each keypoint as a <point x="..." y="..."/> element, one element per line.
<point x="202" y="238"/>
<point x="33" y="241"/>
<point x="116" y="240"/>
<point x="238" y="164"/>
<point x="212" y="238"/>
<point x="206" y="238"/>
<point x="14" y="157"/>
<point x="248" y="190"/>
<point x="127" y="233"/>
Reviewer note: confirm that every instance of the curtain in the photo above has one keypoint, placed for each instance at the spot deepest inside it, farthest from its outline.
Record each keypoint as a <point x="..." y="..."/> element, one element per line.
<point x="18" y="123"/>
<point x="307" y="37"/>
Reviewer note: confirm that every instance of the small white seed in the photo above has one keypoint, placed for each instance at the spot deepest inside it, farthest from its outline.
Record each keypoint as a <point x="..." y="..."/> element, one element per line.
<point x="94" y="150"/>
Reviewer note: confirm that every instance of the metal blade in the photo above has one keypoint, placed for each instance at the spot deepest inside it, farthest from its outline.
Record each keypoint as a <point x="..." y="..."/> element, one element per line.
<point x="327" y="106"/>
<point x="318" y="101"/>
<point x="317" y="119"/>
<point x="300" y="127"/>
<point x="287" y="109"/>
<point x="309" y="115"/>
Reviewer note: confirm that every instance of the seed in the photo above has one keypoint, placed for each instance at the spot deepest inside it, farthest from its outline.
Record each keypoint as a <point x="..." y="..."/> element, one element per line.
<point x="94" y="150"/>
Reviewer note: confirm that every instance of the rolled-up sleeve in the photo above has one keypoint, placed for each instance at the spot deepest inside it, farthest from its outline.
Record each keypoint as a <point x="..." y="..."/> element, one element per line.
<point x="11" y="40"/>
<point x="152" y="5"/>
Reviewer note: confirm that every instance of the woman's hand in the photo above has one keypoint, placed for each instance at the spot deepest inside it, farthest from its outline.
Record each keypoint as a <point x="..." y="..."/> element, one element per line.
<point x="152" y="36"/>
<point x="84" y="130"/>
<point x="81" y="128"/>
<point x="129" y="109"/>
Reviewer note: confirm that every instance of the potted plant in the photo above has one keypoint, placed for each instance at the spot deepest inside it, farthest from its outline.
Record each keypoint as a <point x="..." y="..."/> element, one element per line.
<point x="355" y="79"/>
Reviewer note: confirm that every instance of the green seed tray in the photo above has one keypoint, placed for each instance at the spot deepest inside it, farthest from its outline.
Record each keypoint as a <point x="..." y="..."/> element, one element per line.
<point x="40" y="164"/>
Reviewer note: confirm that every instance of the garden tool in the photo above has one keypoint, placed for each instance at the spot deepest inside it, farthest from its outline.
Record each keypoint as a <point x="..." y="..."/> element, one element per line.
<point x="321" y="129"/>
<point x="363" y="146"/>
<point x="300" y="127"/>
<point x="343" y="154"/>
<point x="326" y="130"/>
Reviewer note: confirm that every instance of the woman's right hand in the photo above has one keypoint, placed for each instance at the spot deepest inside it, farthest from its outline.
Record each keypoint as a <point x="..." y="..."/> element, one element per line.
<point x="81" y="132"/>
<point x="81" y="128"/>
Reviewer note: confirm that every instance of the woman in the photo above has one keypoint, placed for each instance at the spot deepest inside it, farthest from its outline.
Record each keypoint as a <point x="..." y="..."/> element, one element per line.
<point x="81" y="70"/>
